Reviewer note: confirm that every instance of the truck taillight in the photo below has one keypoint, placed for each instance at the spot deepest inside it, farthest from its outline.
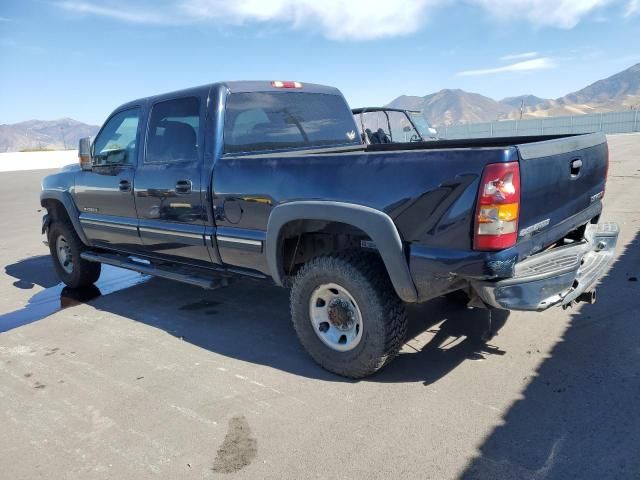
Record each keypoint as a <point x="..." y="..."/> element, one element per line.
<point x="285" y="84"/>
<point x="496" y="221"/>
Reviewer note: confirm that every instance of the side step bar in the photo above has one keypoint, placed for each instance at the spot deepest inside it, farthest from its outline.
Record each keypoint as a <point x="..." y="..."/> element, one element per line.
<point x="210" y="282"/>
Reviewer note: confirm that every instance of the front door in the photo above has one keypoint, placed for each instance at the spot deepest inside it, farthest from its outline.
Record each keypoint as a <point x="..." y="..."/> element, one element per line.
<point x="169" y="190"/>
<point x="104" y="195"/>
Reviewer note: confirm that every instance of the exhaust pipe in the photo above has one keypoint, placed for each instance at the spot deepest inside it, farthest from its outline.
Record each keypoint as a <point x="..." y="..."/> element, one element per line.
<point x="588" y="297"/>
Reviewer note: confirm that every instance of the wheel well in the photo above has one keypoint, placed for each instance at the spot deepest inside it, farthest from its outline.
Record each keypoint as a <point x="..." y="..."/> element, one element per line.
<point x="56" y="210"/>
<point x="302" y="240"/>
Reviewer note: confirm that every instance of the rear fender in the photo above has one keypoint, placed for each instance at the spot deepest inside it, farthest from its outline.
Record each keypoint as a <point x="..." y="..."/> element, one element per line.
<point x="376" y="224"/>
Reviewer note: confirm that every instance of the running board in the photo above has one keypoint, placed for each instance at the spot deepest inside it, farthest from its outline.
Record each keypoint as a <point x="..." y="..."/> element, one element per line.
<point x="210" y="282"/>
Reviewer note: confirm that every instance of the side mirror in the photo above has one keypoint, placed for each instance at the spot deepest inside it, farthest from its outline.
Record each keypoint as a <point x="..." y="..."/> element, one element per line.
<point x="84" y="153"/>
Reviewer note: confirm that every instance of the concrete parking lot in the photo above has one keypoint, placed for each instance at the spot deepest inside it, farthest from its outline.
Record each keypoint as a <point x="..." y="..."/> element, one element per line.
<point x="145" y="378"/>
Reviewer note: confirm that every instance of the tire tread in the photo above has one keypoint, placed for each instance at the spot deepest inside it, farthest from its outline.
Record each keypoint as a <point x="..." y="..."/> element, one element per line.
<point x="371" y="276"/>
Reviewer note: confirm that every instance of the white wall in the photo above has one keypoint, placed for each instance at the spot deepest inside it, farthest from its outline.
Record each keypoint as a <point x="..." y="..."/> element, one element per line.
<point x="13" y="161"/>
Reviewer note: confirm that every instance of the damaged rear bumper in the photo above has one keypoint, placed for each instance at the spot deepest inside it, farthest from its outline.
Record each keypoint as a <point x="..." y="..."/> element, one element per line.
<point x="559" y="276"/>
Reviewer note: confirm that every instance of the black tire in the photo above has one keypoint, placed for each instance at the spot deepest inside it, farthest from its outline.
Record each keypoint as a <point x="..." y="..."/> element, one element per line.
<point x="384" y="321"/>
<point x="83" y="273"/>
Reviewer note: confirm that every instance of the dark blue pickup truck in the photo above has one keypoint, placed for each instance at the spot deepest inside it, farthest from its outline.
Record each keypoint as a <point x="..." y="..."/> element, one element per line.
<point x="271" y="180"/>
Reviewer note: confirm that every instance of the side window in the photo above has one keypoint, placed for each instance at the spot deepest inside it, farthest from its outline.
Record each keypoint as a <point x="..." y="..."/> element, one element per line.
<point x="174" y="127"/>
<point x="117" y="142"/>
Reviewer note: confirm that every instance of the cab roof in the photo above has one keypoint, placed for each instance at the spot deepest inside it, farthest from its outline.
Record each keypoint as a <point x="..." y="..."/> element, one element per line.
<point x="244" y="86"/>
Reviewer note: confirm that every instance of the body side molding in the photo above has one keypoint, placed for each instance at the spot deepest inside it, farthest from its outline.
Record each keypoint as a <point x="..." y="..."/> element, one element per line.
<point x="378" y="225"/>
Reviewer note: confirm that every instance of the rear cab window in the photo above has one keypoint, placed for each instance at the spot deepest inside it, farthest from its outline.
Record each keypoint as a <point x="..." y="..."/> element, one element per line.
<point x="263" y="121"/>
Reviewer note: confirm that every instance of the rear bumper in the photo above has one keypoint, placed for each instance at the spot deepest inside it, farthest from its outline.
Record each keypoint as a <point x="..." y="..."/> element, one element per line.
<point x="555" y="277"/>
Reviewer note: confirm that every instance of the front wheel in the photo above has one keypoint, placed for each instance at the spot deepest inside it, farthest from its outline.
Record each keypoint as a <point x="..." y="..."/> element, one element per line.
<point x="65" y="247"/>
<point x="347" y="315"/>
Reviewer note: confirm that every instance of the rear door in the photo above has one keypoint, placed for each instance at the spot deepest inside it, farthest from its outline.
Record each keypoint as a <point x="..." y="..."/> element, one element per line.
<point x="561" y="178"/>
<point x="169" y="192"/>
<point x="104" y="195"/>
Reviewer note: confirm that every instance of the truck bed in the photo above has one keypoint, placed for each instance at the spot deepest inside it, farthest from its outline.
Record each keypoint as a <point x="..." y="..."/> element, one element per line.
<point x="430" y="189"/>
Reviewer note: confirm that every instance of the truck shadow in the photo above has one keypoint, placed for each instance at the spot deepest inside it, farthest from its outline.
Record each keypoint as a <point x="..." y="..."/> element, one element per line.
<point x="33" y="271"/>
<point x="457" y="334"/>
<point x="578" y="417"/>
<point x="250" y="321"/>
<point x="56" y="296"/>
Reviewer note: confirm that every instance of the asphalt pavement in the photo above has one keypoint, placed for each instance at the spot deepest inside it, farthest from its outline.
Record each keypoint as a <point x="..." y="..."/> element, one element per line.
<point x="147" y="378"/>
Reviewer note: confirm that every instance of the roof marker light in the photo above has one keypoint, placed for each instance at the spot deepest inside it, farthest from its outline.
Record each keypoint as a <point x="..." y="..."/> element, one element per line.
<point x="285" y="84"/>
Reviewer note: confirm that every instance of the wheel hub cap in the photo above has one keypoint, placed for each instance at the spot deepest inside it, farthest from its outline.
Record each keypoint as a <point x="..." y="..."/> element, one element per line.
<point x="341" y="314"/>
<point x="64" y="254"/>
<point x="335" y="317"/>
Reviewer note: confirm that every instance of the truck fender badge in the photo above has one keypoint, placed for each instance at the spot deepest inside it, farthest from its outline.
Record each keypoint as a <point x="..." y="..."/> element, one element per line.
<point x="597" y="196"/>
<point x="368" y="244"/>
<point x="535" y="227"/>
<point x="90" y="209"/>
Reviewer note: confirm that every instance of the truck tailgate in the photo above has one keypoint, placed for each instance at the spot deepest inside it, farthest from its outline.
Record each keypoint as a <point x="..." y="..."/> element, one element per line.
<point x="559" y="179"/>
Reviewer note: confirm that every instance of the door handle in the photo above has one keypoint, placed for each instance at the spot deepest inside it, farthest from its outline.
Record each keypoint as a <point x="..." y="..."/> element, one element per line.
<point x="125" y="186"/>
<point x="183" y="186"/>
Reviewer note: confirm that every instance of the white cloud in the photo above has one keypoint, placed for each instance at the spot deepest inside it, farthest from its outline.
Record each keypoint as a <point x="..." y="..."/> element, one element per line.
<point x="553" y="13"/>
<point x="519" y="56"/>
<point x="526" y="66"/>
<point x="633" y="7"/>
<point x="119" y="12"/>
<point x="337" y="19"/>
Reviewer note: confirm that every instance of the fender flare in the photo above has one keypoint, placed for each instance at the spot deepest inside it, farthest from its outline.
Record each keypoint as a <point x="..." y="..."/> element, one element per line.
<point x="67" y="202"/>
<point x="378" y="225"/>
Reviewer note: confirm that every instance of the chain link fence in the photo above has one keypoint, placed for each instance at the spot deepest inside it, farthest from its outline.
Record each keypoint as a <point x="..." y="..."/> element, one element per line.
<point x="614" y="122"/>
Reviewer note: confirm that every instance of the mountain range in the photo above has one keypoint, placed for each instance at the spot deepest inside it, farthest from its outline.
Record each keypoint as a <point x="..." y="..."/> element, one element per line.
<point x="44" y="134"/>
<point x="449" y="107"/>
<point x="446" y="107"/>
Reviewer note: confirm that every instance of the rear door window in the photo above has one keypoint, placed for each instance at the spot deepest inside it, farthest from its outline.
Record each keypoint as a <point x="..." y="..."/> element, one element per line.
<point x="174" y="129"/>
<point x="260" y="121"/>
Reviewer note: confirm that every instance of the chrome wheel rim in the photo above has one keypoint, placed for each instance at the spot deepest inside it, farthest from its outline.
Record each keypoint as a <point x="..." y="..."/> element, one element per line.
<point x="335" y="317"/>
<point x="64" y="254"/>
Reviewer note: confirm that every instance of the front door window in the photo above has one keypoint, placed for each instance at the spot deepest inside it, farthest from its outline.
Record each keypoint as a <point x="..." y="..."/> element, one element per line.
<point x="116" y="143"/>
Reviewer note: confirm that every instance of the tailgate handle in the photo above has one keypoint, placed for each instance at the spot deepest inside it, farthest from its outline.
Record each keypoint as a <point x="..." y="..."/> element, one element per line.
<point x="576" y="165"/>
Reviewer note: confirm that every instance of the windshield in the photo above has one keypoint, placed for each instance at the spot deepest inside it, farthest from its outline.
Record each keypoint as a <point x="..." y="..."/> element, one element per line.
<point x="421" y="124"/>
<point x="261" y="121"/>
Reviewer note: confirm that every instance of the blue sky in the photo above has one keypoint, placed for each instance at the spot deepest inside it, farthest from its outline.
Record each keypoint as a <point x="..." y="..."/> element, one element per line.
<point x="82" y="58"/>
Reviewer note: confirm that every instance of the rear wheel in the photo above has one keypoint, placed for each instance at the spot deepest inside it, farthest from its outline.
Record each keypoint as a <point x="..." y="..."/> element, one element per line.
<point x="65" y="247"/>
<point x="347" y="315"/>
